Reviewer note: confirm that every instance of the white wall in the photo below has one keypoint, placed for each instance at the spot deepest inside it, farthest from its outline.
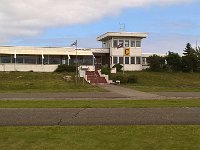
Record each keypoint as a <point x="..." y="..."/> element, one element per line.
<point x="28" y="67"/>
<point x="120" y="52"/>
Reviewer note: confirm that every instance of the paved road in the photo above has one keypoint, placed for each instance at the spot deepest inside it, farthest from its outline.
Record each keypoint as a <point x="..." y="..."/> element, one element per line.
<point x="100" y="116"/>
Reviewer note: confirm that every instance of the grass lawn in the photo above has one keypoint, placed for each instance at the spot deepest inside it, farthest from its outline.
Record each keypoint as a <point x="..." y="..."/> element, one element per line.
<point x="101" y="138"/>
<point x="166" y="82"/>
<point x="99" y="103"/>
<point x="41" y="82"/>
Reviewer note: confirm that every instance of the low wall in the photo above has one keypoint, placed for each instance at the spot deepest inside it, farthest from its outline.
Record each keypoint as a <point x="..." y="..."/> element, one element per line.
<point x="28" y="67"/>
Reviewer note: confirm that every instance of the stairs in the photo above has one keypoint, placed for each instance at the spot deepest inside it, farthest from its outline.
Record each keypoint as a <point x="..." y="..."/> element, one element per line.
<point x="93" y="77"/>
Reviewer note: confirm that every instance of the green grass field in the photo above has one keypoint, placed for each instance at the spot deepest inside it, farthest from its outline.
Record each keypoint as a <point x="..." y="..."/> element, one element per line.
<point x="101" y="138"/>
<point x="166" y="82"/>
<point x="99" y="103"/>
<point x="41" y="82"/>
<point x="54" y="82"/>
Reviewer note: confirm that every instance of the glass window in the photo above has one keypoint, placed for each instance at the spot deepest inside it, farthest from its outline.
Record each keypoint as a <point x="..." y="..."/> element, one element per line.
<point x="132" y="43"/>
<point x="88" y="60"/>
<point x="126" y="43"/>
<point x="132" y="60"/>
<point x="30" y="59"/>
<point x="20" y="59"/>
<point x="143" y="60"/>
<point x="126" y="60"/>
<point x="121" y="42"/>
<point x="104" y="44"/>
<point x="54" y="60"/>
<point x="6" y="59"/>
<point x="115" y="43"/>
<point x="138" y="60"/>
<point x="114" y="60"/>
<point x="138" y="43"/>
<point x="121" y="60"/>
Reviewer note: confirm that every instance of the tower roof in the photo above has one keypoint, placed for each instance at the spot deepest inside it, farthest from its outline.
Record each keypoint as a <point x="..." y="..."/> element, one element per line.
<point x="110" y="35"/>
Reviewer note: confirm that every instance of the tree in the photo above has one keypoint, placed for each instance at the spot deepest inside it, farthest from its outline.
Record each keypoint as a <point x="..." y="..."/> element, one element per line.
<point x="173" y="61"/>
<point x="197" y="52"/>
<point x="156" y="62"/>
<point x="189" y="60"/>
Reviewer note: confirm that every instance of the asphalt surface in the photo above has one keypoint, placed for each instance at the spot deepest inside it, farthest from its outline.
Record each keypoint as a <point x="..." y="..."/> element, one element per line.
<point x="100" y="116"/>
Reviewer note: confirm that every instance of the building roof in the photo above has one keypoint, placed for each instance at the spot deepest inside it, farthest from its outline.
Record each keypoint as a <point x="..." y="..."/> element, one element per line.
<point x="109" y="35"/>
<point x="19" y="50"/>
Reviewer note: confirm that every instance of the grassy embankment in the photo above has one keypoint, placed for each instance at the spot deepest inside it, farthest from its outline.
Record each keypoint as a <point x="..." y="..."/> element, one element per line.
<point x="101" y="138"/>
<point x="41" y="82"/>
<point x="166" y="82"/>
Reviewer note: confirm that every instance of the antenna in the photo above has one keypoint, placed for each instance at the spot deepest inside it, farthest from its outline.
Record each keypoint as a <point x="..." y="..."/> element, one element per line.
<point x="122" y="27"/>
<point x="196" y="44"/>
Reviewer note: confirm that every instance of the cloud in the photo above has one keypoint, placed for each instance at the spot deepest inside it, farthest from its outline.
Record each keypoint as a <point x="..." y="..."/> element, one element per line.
<point x="164" y="42"/>
<point x="22" y="18"/>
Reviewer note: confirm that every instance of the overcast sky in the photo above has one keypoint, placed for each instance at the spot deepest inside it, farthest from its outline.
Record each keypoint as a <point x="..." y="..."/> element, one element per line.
<point x="170" y="23"/>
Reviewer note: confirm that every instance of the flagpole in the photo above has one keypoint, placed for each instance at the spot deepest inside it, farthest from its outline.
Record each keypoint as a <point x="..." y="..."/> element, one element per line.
<point x="15" y="57"/>
<point x="76" y="63"/>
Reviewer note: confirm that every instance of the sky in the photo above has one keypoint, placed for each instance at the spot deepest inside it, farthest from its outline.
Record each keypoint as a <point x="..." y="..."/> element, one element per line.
<point x="171" y="24"/>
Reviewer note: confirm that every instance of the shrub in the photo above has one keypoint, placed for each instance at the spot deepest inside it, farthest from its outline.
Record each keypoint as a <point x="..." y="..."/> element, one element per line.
<point x="118" y="67"/>
<point x="105" y="70"/>
<point x="122" y="78"/>
<point x="66" y="68"/>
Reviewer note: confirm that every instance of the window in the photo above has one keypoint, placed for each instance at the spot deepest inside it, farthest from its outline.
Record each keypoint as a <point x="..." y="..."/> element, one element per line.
<point x="121" y="60"/>
<point x="104" y="44"/>
<point x="126" y="43"/>
<point x="114" y="60"/>
<point x="143" y="60"/>
<point x="132" y="60"/>
<point x="54" y="60"/>
<point x="138" y="60"/>
<point x="138" y="43"/>
<point x="6" y="59"/>
<point x="30" y="59"/>
<point x="126" y="60"/>
<point x="115" y="43"/>
<point x="20" y="59"/>
<point x="132" y="43"/>
<point x="121" y="42"/>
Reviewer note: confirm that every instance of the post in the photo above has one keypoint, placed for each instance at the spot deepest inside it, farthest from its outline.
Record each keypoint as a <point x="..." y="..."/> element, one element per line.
<point x="15" y="57"/>
<point x="123" y="63"/>
<point x="76" y="63"/>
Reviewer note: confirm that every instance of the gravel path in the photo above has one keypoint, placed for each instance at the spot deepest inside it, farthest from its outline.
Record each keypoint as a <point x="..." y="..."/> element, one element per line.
<point x="115" y="92"/>
<point x="100" y="116"/>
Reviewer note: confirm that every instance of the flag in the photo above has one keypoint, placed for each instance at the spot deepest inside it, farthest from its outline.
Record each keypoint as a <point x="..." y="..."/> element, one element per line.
<point x="74" y="44"/>
<point x="120" y="45"/>
<point x="15" y="54"/>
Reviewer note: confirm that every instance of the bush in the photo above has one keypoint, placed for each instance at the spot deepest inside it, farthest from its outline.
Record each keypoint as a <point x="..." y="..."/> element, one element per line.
<point x="124" y="78"/>
<point x="66" y="68"/>
<point x="105" y="70"/>
<point x="118" y="67"/>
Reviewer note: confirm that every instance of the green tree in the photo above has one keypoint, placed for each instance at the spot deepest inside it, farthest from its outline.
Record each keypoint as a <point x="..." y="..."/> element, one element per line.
<point x="197" y="52"/>
<point x="156" y="63"/>
<point x="189" y="60"/>
<point x="173" y="61"/>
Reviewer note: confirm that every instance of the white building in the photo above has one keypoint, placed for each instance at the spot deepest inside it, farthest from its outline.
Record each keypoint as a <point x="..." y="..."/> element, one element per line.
<point x="124" y="48"/>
